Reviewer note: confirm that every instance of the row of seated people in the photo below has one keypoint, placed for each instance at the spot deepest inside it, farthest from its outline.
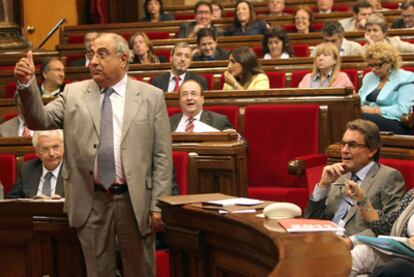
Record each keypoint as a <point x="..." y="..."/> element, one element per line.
<point x="246" y="24"/>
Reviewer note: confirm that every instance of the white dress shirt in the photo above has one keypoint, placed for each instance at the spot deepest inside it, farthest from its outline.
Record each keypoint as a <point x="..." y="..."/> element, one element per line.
<point x="171" y="84"/>
<point x="184" y="121"/>
<point x="118" y="107"/>
<point x="53" y="180"/>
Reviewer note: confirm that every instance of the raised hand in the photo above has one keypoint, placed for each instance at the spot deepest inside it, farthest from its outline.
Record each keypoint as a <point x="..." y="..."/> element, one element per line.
<point x="25" y="69"/>
<point x="330" y="173"/>
<point x="353" y="190"/>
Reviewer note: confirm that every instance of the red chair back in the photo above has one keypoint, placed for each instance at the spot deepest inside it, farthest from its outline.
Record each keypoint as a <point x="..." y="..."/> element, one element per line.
<point x="232" y="113"/>
<point x="184" y="16"/>
<point x="173" y="110"/>
<point x="7" y="171"/>
<point x="164" y="53"/>
<point x="180" y="160"/>
<point x="257" y="50"/>
<point x="300" y="50"/>
<point x="10" y="115"/>
<point x="209" y="79"/>
<point x="297" y="76"/>
<point x="406" y="167"/>
<point x="353" y="76"/>
<point x="276" y="135"/>
<point x="277" y="79"/>
<point x="30" y="156"/>
<point x="162" y="261"/>
<point x="73" y="39"/>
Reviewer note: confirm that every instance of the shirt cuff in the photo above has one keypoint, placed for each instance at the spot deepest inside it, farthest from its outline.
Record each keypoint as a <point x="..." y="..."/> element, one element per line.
<point x="319" y="193"/>
<point x="21" y="86"/>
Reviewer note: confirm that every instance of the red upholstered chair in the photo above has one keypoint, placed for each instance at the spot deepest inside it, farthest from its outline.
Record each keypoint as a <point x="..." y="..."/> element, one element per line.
<point x="184" y="16"/>
<point x="391" y="5"/>
<point x="353" y="76"/>
<point x="335" y="8"/>
<point x="276" y="135"/>
<point x="166" y="53"/>
<point x="406" y="167"/>
<point x="158" y="35"/>
<point x="277" y="79"/>
<point x="209" y="79"/>
<point x="173" y="110"/>
<point x="180" y="160"/>
<point x="162" y="261"/>
<point x="10" y="89"/>
<point x="301" y="50"/>
<point x="7" y="171"/>
<point x="297" y="76"/>
<point x="257" y="50"/>
<point x="72" y="39"/>
<point x="232" y="113"/>
<point x="29" y="156"/>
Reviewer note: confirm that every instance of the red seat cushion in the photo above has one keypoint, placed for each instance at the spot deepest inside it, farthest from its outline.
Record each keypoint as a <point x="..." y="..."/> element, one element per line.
<point x="297" y="76"/>
<point x="353" y="76"/>
<point x="406" y="167"/>
<point x="300" y="50"/>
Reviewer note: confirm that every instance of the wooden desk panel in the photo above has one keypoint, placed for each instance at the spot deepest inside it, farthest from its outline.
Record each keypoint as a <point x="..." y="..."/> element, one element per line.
<point x="204" y="243"/>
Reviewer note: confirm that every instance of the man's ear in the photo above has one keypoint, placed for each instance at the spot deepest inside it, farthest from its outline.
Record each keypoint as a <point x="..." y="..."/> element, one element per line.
<point x="372" y="152"/>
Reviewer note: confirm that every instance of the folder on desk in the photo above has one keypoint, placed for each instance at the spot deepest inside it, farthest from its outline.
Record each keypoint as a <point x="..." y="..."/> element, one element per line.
<point x="388" y="246"/>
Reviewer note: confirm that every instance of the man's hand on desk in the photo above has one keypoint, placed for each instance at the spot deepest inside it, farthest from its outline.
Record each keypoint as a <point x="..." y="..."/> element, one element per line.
<point x="156" y="222"/>
<point x="46" y="197"/>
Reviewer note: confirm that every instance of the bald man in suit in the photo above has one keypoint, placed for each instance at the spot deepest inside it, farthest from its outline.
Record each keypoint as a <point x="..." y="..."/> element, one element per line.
<point x="116" y="205"/>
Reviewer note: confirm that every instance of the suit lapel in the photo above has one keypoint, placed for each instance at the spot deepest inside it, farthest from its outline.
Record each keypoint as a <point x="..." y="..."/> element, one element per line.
<point x="205" y="117"/>
<point x="59" y="183"/>
<point x="133" y="101"/>
<point x="33" y="183"/>
<point x="92" y="102"/>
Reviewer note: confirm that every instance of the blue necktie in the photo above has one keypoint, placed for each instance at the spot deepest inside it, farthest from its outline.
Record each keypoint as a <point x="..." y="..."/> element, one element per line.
<point x="343" y="206"/>
<point x="106" y="156"/>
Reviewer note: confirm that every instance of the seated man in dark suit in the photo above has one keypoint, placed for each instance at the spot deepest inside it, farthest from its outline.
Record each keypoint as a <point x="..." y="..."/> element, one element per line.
<point x="192" y="117"/>
<point x="41" y="178"/>
<point x="407" y="16"/>
<point x="180" y="61"/>
<point x="87" y="41"/>
<point x="16" y="126"/>
<point x="207" y="49"/>
<point x="383" y="185"/>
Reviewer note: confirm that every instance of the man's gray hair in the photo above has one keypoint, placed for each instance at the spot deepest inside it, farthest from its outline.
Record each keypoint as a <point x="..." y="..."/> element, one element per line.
<point x="120" y="44"/>
<point x="46" y="133"/>
<point x="181" y="44"/>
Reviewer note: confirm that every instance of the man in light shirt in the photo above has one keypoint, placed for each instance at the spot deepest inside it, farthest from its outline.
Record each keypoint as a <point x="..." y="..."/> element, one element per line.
<point x="16" y="126"/>
<point x="42" y="177"/>
<point x="384" y="186"/>
<point x="333" y="32"/>
<point x="276" y="7"/>
<point x="407" y="16"/>
<point x="192" y="117"/>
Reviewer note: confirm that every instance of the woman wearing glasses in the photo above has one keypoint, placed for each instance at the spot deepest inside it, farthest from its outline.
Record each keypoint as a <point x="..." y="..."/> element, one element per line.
<point x="398" y="223"/>
<point x="387" y="91"/>
<point x="376" y="30"/>
<point x="303" y="20"/>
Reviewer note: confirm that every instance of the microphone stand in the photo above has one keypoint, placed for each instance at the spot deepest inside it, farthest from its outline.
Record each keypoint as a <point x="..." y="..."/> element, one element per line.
<point x="51" y="33"/>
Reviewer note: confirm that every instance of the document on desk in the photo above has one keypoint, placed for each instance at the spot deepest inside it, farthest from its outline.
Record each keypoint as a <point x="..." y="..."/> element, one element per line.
<point x="297" y="225"/>
<point x="392" y="246"/>
<point x="203" y="127"/>
<point x="239" y="201"/>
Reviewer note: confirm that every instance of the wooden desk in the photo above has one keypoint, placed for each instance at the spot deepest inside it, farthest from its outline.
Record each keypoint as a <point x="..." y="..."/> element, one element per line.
<point x="205" y="243"/>
<point x="35" y="240"/>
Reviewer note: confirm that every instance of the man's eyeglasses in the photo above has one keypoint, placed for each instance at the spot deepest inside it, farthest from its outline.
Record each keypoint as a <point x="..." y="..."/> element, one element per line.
<point x="377" y="65"/>
<point x="351" y="144"/>
<point x="298" y="18"/>
<point x="101" y="54"/>
<point x="45" y="149"/>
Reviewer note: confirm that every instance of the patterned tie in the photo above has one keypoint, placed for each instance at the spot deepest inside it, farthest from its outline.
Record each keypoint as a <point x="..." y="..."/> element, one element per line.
<point x="190" y="124"/>
<point x="177" y="83"/>
<point x="106" y="156"/>
<point x="26" y="131"/>
<point x="47" y="186"/>
<point x="344" y="205"/>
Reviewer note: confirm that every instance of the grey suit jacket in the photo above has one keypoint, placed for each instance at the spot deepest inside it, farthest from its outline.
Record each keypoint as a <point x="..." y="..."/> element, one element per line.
<point x="384" y="187"/>
<point x="10" y="128"/>
<point x="213" y="119"/>
<point x="28" y="183"/>
<point x="145" y="144"/>
<point x="162" y="81"/>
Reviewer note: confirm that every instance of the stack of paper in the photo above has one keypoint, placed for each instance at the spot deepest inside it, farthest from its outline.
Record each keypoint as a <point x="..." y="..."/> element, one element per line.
<point x="295" y="225"/>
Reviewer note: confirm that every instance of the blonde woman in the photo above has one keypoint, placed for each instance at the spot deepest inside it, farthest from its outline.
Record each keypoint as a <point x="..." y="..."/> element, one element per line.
<point x="142" y="49"/>
<point x="326" y="69"/>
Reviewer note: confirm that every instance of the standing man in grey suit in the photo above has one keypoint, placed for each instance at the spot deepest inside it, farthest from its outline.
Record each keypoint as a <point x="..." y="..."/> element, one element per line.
<point x="118" y="156"/>
<point x="42" y="177"/>
<point x="180" y="59"/>
<point x="384" y="186"/>
<point x="191" y="104"/>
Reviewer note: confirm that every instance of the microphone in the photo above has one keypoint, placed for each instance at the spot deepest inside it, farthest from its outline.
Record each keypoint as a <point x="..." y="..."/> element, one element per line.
<point x="51" y="32"/>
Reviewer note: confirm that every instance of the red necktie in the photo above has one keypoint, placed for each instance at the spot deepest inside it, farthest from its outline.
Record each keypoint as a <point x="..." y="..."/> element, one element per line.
<point x="190" y="125"/>
<point x="26" y="131"/>
<point x="177" y="83"/>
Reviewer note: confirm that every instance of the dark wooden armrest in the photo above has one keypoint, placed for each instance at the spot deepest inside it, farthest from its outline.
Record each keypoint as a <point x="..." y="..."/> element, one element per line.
<point x="296" y="167"/>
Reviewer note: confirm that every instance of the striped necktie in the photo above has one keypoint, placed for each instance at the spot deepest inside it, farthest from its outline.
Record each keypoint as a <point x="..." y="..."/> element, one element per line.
<point x="190" y="124"/>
